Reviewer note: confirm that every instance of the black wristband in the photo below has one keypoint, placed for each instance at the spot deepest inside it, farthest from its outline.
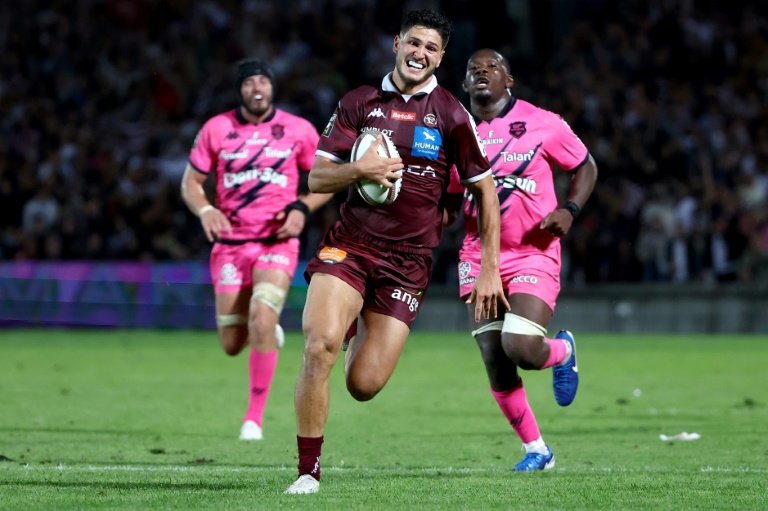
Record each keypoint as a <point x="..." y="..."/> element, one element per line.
<point x="572" y="208"/>
<point x="299" y="205"/>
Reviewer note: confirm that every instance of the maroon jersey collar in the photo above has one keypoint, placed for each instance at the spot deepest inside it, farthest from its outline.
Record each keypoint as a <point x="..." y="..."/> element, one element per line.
<point x="387" y="85"/>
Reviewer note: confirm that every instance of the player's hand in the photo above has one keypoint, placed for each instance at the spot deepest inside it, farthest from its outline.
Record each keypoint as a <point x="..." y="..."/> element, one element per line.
<point x="487" y="293"/>
<point x="293" y="223"/>
<point x="214" y="223"/>
<point x="558" y="222"/>
<point x="384" y="171"/>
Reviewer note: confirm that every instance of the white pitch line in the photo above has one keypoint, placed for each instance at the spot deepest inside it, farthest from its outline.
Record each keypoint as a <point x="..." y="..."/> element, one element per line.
<point x="377" y="470"/>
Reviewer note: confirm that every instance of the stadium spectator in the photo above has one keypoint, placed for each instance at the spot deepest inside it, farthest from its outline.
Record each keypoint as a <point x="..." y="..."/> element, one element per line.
<point x="661" y="92"/>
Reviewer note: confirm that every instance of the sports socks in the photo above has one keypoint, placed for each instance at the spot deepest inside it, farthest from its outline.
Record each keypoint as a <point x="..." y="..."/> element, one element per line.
<point x="309" y="455"/>
<point x="261" y="369"/>
<point x="514" y="405"/>
<point x="558" y="352"/>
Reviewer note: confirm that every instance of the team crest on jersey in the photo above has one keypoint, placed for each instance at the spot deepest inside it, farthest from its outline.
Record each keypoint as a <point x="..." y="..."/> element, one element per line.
<point x="464" y="269"/>
<point x="426" y="143"/>
<point x="517" y="129"/>
<point x="329" y="127"/>
<point x="278" y="131"/>
<point x="430" y="119"/>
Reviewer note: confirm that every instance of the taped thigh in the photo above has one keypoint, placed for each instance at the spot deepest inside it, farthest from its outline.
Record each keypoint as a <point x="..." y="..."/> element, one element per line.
<point x="495" y="326"/>
<point x="223" y="320"/>
<point x="514" y="324"/>
<point x="271" y="295"/>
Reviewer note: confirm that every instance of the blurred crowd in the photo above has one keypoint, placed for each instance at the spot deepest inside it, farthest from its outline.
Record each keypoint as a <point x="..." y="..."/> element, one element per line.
<point x="100" y="102"/>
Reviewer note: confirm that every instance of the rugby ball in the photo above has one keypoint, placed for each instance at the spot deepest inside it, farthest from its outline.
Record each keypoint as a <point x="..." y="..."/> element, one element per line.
<point x="376" y="194"/>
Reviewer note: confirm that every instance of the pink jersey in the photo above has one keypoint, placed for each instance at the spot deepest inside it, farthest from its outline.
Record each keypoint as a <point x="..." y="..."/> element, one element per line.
<point x="523" y="144"/>
<point x="257" y="167"/>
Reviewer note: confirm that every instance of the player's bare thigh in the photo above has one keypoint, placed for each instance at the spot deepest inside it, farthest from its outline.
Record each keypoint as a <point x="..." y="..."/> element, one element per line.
<point x="374" y="353"/>
<point x="332" y="305"/>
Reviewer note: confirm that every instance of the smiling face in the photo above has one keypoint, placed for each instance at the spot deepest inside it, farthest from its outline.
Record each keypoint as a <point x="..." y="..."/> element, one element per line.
<point x="419" y="52"/>
<point x="487" y="79"/>
<point x="256" y="94"/>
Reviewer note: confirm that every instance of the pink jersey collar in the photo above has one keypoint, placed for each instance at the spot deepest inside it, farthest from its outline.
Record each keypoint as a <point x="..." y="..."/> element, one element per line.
<point x="388" y="85"/>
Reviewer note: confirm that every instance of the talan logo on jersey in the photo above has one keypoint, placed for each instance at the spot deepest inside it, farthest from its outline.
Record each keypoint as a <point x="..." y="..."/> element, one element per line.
<point x="240" y="155"/>
<point x="490" y="140"/>
<point x="407" y="297"/>
<point x="508" y="157"/>
<point x="329" y="127"/>
<point x="517" y="129"/>
<point x="426" y="143"/>
<point x="430" y="119"/>
<point x="255" y="140"/>
<point x="376" y="112"/>
<point x="403" y="116"/>
<point x="229" y="276"/>
<point x="277" y="153"/>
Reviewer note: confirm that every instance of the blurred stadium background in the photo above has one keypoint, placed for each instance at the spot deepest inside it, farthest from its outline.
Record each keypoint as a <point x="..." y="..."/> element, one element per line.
<point x="100" y="101"/>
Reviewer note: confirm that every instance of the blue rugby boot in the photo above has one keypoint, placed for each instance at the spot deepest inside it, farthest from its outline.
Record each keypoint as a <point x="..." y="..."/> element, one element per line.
<point x="565" y="377"/>
<point x="536" y="461"/>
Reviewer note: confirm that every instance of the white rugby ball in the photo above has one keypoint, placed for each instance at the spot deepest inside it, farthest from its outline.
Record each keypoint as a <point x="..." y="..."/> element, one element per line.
<point x="376" y="194"/>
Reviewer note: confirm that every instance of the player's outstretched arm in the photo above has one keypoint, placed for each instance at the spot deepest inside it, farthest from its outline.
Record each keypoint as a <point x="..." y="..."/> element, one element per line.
<point x="328" y="176"/>
<point x="488" y="291"/>
<point x="559" y="221"/>
<point x="214" y="222"/>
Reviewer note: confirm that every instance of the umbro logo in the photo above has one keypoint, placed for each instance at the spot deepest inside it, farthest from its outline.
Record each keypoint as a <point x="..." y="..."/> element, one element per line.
<point x="376" y="113"/>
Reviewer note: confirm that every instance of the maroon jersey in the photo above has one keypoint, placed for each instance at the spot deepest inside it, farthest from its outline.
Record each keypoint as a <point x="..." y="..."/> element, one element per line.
<point x="432" y="132"/>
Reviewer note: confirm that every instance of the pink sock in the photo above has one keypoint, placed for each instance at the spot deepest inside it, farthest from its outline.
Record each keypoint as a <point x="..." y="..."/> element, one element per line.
<point x="557" y="352"/>
<point x="514" y="405"/>
<point x="261" y="369"/>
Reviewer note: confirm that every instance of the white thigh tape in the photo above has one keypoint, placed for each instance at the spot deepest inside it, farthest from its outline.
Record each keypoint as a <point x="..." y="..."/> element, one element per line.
<point x="231" y="320"/>
<point x="269" y="294"/>
<point x="490" y="327"/>
<point x="514" y="324"/>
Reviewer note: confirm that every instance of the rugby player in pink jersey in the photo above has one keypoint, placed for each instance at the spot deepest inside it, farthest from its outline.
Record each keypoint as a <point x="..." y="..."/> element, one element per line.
<point x="375" y="262"/>
<point x="523" y="143"/>
<point x="256" y="153"/>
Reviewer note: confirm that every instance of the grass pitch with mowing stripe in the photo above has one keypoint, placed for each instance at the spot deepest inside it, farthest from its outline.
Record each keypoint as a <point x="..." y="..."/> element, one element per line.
<point x="149" y="420"/>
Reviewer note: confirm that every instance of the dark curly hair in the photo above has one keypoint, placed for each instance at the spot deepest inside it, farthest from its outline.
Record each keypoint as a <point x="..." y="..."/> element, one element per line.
<point x="429" y="19"/>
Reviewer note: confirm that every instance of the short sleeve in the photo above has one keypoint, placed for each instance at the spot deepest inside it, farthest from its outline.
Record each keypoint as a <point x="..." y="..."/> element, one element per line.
<point x="564" y="147"/>
<point x="203" y="155"/>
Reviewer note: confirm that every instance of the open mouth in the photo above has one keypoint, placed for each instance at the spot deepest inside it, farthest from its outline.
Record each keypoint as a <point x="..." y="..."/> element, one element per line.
<point x="482" y="83"/>
<point x="258" y="97"/>
<point x="414" y="65"/>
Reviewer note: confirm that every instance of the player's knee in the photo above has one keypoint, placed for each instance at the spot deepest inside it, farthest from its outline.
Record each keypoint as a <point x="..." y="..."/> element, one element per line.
<point x="232" y="332"/>
<point x="522" y="340"/>
<point x="261" y="329"/>
<point x="320" y="350"/>
<point x="363" y="390"/>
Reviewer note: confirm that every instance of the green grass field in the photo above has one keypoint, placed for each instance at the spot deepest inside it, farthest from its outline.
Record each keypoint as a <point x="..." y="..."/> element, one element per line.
<point x="149" y="420"/>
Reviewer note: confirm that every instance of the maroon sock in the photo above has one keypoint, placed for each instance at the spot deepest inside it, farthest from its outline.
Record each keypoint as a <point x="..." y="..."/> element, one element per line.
<point x="309" y="455"/>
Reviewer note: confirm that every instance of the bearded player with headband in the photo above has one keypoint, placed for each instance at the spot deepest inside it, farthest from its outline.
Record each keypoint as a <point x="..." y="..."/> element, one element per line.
<point x="256" y="153"/>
